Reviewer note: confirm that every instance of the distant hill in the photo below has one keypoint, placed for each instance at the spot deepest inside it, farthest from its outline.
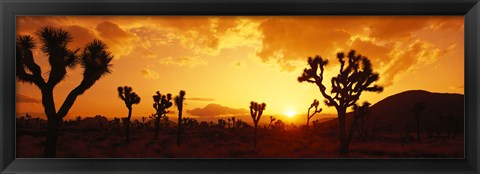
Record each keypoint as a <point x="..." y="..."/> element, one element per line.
<point x="394" y="113"/>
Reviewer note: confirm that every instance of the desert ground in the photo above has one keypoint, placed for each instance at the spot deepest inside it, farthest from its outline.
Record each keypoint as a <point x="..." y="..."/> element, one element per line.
<point x="213" y="141"/>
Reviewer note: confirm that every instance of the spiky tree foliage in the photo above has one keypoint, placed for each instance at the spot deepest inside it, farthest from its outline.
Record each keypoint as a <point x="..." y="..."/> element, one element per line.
<point x="314" y="106"/>
<point x="256" y="111"/>
<point x="359" y="113"/>
<point x="179" y="103"/>
<point x="272" y="119"/>
<point x="129" y="98"/>
<point x="161" y="103"/>
<point x="417" y="110"/>
<point x="279" y="124"/>
<point x="355" y="77"/>
<point x="229" y="123"/>
<point x="188" y="123"/>
<point x="95" y="61"/>
<point x="222" y="123"/>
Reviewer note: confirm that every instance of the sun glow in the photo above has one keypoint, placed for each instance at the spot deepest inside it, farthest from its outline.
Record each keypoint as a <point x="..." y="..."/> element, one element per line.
<point x="290" y="113"/>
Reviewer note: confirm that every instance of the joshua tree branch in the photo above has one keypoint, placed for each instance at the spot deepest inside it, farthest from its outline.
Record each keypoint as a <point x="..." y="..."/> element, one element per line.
<point x="72" y="96"/>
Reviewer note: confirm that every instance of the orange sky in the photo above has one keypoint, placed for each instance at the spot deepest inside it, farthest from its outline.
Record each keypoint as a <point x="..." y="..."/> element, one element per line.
<point x="226" y="62"/>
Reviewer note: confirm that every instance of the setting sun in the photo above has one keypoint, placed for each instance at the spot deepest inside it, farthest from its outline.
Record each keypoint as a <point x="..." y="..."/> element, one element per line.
<point x="290" y="113"/>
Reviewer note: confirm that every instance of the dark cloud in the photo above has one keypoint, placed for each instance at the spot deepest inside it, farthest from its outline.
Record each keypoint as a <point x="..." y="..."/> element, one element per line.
<point x="81" y="36"/>
<point x="216" y="110"/>
<point x="119" y="41"/>
<point x="27" y="99"/>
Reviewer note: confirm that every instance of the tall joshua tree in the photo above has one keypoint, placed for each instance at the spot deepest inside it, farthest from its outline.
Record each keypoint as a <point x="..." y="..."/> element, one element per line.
<point x="161" y="103"/>
<point x="355" y="77"/>
<point x="316" y="110"/>
<point x="417" y="110"/>
<point x="95" y="61"/>
<point x="256" y="111"/>
<point x="129" y="97"/>
<point x="179" y="103"/>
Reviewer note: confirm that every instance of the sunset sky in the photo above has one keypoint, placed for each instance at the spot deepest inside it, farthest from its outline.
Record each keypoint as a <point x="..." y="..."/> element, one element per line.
<point x="223" y="63"/>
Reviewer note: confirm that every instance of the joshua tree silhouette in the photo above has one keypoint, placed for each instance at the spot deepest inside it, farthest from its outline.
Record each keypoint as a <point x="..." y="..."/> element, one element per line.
<point x="359" y="113"/>
<point x="166" y="119"/>
<point x="234" y="123"/>
<point x="417" y="110"/>
<point x="355" y="76"/>
<point x="179" y="103"/>
<point x="95" y="60"/>
<point x="125" y="93"/>
<point x="78" y="118"/>
<point x="188" y="123"/>
<point x="272" y="119"/>
<point x="222" y="123"/>
<point x="256" y="111"/>
<point x="317" y="110"/>
<point x="161" y="103"/>
<point x="450" y="124"/>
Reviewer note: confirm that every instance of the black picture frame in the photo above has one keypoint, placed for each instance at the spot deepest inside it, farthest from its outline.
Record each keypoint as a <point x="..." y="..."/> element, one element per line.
<point x="11" y="8"/>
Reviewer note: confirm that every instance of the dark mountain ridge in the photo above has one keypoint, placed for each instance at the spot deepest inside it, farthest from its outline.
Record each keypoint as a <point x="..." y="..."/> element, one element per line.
<point x="394" y="113"/>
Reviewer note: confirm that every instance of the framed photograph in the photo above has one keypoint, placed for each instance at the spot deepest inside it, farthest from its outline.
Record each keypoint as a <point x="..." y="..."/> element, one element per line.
<point x="239" y="86"/>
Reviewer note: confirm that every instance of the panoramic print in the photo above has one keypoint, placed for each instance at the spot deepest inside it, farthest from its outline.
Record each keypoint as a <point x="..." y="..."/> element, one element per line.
<point x="240" y="87"/>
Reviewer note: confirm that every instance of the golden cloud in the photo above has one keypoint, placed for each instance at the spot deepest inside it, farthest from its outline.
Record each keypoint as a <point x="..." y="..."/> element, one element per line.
<point x="190" y="61"/>
<point x="391" y="43"/>
<point x="120" y="42"/>
<point x="147" y="73"/>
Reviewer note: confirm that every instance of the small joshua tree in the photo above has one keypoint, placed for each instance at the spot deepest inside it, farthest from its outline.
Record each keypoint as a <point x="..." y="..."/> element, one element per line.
<point x="179" y="103"/>
<point x="129" y="98"/>
<point x="374" y="126"/>
<point x="279" y="125"/>
<point x="272" y="119"/>
<point x="78" y="120"/>
<point x="362" y="129"/>
<point x="359" y="113"/>
<point x="166" y="119"/>
<point x="229" y="123"/>
<point x="417" y="110"/>
<point x="143" y="121"/>
<point x="256" y="111"/>
<point x="188" y="123"/>
<point x="160" y="103"/>
<point x="234" y="123"/>
<point x="316" y="110"/>
<point x="355" y="76"/>
<point x="450" y="124"/>
<point x="116" y="121"/>
<point x="222" y="123"/>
